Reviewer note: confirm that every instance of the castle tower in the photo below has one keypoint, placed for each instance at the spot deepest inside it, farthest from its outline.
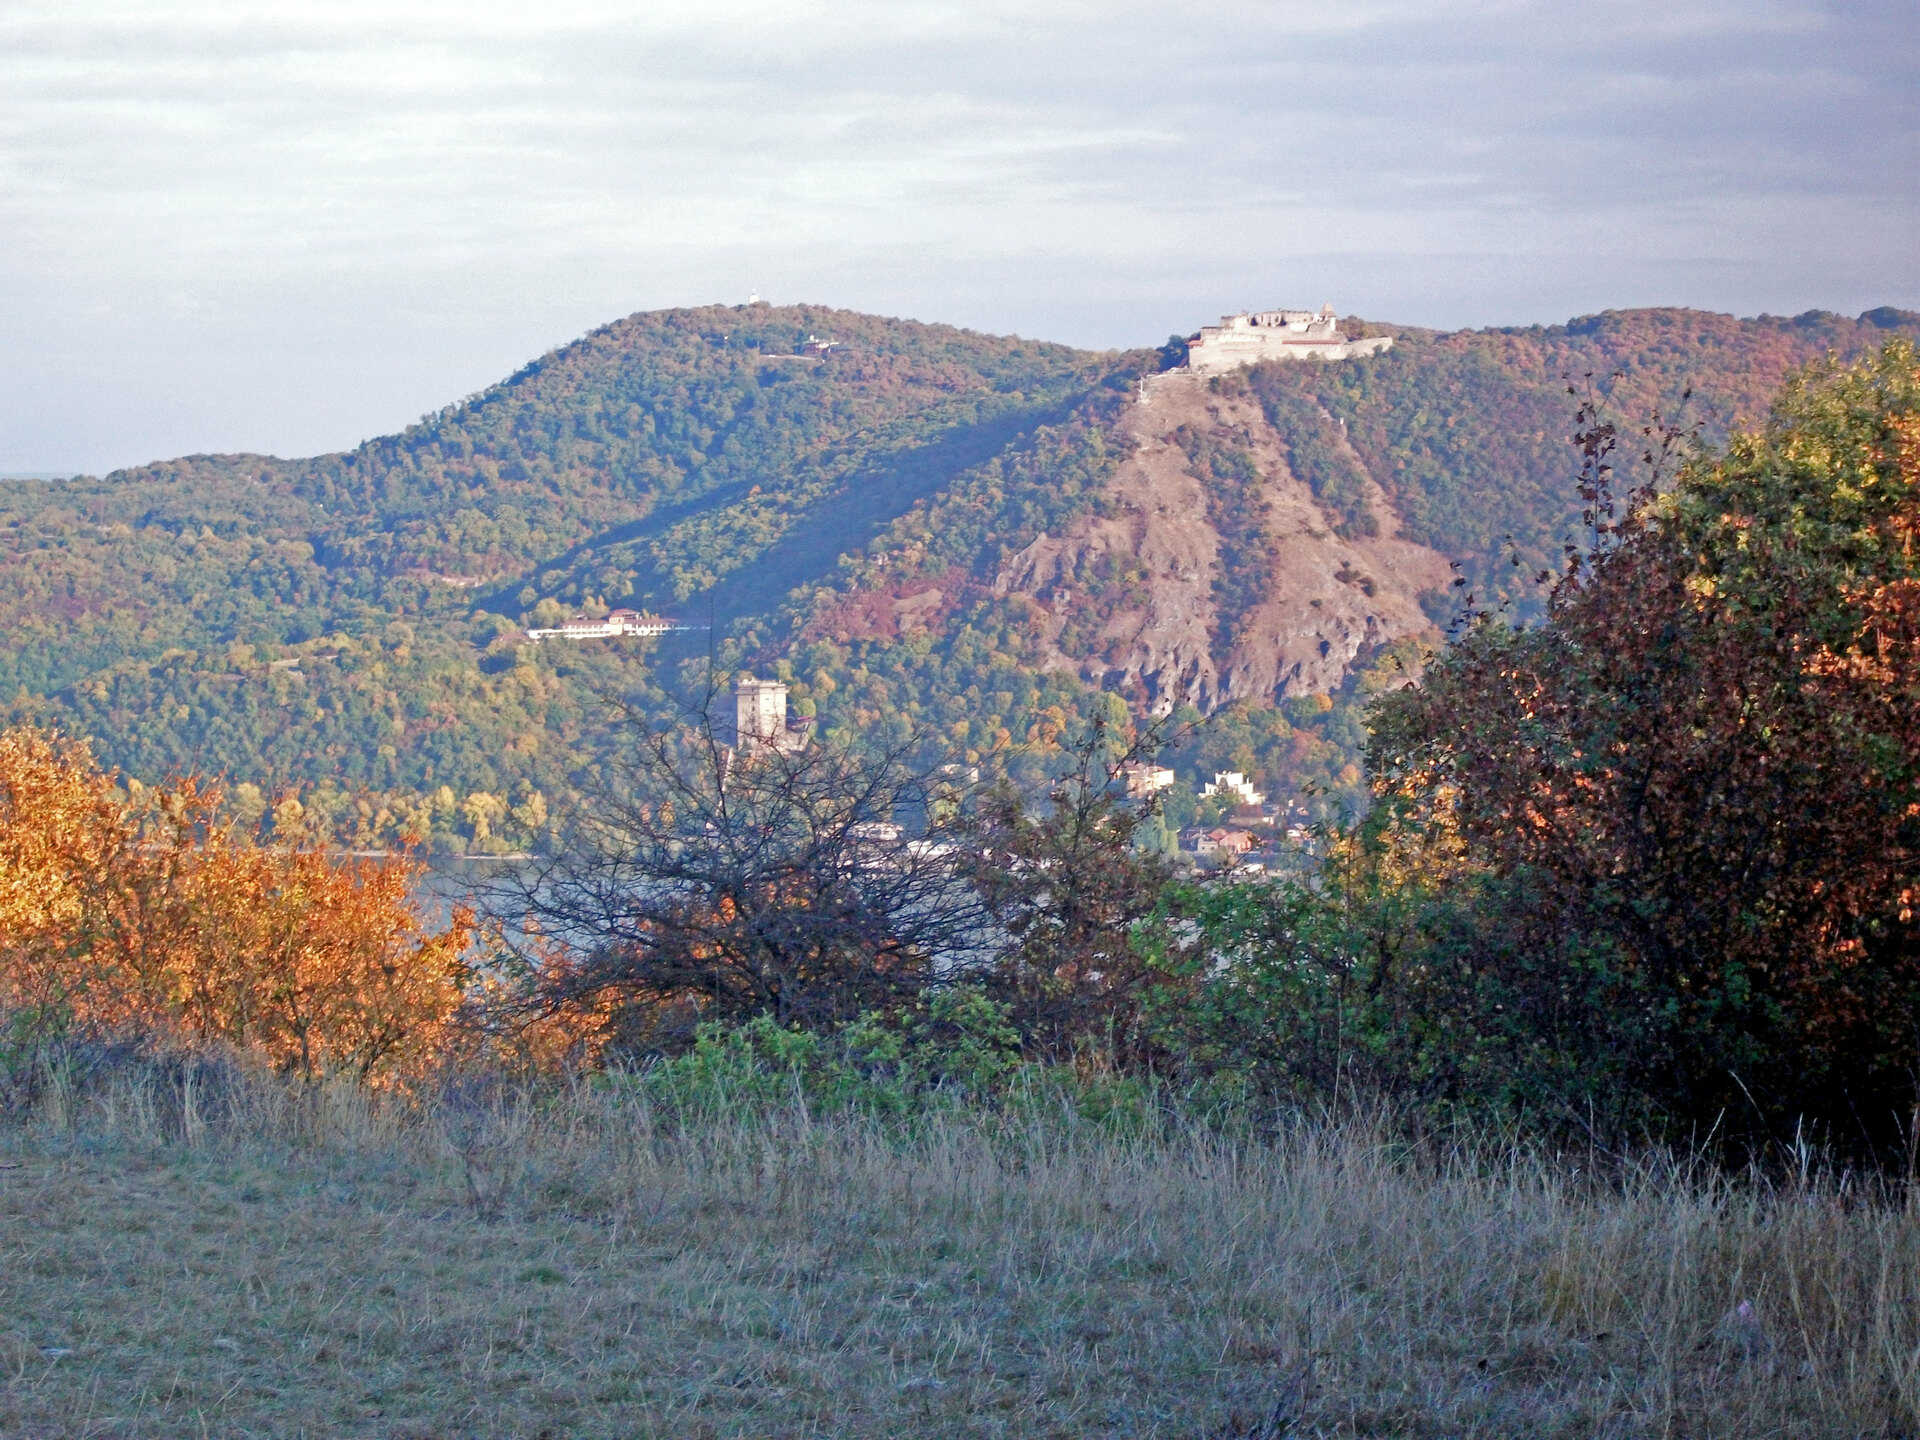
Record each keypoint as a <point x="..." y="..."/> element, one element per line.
<point x="760" y="716"/>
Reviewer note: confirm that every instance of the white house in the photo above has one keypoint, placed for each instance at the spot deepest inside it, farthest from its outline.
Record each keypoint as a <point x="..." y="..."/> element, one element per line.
<point x="1232" y="783"/>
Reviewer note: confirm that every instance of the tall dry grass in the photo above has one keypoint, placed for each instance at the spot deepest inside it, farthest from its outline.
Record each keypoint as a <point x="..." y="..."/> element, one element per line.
<point x="196" y="1247"/>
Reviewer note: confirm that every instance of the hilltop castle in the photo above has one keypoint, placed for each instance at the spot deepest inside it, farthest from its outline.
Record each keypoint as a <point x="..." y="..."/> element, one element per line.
<point x="1248" y="338"/>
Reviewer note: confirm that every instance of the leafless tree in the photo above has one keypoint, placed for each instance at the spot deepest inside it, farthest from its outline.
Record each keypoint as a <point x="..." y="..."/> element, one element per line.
<point x="807" y="884"/>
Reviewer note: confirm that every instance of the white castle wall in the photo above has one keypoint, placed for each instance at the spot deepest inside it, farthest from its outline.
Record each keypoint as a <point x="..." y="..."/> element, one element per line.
<point x="1249" y="338"/>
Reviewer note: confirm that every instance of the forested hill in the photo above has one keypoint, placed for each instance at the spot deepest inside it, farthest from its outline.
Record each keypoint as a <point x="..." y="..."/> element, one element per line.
<point x="686" y="409"/>
<point x="1468" y="430"/>
<point x="1271" y="533"/>
<point x="924" y="527"/>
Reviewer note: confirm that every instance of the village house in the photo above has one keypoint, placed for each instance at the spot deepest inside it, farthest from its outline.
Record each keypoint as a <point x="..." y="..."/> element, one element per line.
<point x="1219" y="843"/>
<point x="1235" y="785"/>
<point x="1143" y="780"/>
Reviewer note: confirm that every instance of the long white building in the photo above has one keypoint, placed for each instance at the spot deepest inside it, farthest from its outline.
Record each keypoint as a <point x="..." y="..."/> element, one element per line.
<point x="1253" y="336"/>
<point x="619" y="622"/>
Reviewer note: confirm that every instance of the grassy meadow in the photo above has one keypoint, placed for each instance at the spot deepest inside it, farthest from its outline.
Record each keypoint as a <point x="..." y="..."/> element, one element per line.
<point x="198" y="1248"/>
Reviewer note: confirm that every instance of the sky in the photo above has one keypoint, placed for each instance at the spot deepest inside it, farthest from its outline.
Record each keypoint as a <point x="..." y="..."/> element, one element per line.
<point x="289" y="227"/>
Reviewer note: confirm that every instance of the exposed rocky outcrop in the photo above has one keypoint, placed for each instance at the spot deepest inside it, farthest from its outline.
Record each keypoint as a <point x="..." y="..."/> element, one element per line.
<point x="1317" y="601"/>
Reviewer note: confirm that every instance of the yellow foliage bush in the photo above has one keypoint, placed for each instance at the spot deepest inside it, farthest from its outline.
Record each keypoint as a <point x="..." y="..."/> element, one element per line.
<point x="153" y="908"/>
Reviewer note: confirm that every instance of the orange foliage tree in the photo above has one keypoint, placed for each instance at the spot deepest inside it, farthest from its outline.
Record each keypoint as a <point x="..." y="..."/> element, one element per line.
<point x="150" y="908"/>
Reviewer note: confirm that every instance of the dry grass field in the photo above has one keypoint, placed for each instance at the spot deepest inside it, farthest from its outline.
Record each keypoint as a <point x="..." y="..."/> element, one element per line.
<point x="234" y="1256"/>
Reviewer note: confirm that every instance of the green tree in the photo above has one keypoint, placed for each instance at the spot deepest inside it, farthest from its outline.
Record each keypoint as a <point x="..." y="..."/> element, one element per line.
<point x="1691" y="798"/>
<point x="1067" y="882"/>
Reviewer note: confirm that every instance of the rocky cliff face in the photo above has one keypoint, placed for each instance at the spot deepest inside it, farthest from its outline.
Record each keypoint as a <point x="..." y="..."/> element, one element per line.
<point x="1219" y="576"/>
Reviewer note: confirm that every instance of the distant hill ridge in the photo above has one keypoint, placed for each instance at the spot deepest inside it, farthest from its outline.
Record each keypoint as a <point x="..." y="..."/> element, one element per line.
<point x="924" y="525"/>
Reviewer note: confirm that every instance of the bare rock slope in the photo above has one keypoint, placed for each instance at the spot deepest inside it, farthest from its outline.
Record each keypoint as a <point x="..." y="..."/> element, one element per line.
<point x="1265" y="601"/>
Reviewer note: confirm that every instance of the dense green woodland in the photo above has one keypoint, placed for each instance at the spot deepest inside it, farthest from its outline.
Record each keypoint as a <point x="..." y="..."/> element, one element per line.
<point x="353" y="621"/>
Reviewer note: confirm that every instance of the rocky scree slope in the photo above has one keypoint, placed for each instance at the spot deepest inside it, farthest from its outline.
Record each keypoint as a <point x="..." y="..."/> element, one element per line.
<point x="1232" y="583"/>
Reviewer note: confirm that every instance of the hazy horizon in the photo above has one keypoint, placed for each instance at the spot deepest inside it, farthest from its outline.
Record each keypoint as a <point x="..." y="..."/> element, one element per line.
<point x="293" y="229"/>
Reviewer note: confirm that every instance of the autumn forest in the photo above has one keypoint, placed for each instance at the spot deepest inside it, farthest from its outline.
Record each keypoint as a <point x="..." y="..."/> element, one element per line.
<point x="1478" y="778"/>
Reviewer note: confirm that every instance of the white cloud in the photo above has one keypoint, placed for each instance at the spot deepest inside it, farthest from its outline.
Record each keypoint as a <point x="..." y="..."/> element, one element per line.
<point x="451" y="186"/>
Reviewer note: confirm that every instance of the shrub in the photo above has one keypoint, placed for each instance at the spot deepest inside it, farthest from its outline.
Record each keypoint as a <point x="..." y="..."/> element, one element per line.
<point x="1686" y="807"/>
<point x="150" y="909"/>
<point x="949" y="1046"/>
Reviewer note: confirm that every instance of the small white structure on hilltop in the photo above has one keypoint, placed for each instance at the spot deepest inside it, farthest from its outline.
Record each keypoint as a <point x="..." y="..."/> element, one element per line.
<point x="1232" y="783"/>
<point x="1250" y="337"/>
<point x="760" y="723"/>
<point x="619" y="622"/>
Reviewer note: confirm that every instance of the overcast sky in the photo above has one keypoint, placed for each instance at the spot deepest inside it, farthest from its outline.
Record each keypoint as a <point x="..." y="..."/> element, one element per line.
<point x="287" y="227"/>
